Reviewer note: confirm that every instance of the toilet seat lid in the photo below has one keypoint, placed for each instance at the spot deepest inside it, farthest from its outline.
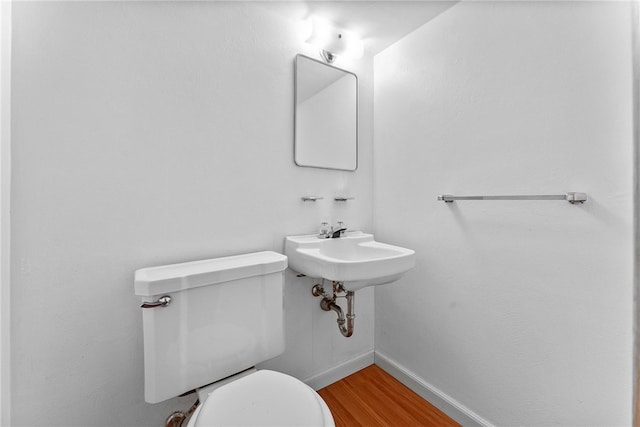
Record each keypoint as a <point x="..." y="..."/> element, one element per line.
<point x="261" y="399"/>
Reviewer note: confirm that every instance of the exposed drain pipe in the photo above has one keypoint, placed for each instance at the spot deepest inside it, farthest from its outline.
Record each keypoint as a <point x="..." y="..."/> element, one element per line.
<point x="329" y="303"/>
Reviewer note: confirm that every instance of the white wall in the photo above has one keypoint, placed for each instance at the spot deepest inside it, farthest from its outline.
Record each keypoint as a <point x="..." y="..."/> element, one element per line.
<point x="5" y="186"/>
<point x="520" y="311"/>
<point x="150" y="133"/>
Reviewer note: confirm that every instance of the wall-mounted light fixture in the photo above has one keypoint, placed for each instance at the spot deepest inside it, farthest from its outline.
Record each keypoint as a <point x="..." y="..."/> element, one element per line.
<point x="333" y="41"/>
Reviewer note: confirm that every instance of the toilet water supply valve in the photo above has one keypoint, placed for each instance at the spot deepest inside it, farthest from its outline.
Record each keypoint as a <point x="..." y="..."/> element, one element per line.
<point x="329" y="303"/>
<point x="179" y="418"/>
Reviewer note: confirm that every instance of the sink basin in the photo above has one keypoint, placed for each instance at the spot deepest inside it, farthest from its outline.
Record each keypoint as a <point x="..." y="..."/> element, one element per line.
<point x="355" y="259"/>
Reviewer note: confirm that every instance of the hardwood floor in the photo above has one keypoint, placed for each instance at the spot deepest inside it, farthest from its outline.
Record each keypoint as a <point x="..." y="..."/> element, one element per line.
<point x="371" y="398"/>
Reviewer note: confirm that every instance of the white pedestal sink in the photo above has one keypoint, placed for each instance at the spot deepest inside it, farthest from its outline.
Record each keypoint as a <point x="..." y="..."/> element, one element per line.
<point x="355" y="259"/>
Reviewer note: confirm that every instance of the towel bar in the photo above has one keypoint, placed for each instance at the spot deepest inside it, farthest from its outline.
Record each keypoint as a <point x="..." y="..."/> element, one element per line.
<point x="571" y="197"/>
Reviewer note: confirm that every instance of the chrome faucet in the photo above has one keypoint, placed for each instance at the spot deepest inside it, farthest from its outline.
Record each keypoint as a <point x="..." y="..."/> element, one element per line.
<point x="337" y="233"/>
<point x="327" y="232"/>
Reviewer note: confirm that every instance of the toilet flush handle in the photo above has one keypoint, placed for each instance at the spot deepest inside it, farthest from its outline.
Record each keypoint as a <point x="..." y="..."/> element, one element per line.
<point x="163" y="301"/>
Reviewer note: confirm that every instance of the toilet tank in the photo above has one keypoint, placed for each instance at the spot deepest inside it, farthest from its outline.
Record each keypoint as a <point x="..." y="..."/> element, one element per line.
<point x="225" y="316"/>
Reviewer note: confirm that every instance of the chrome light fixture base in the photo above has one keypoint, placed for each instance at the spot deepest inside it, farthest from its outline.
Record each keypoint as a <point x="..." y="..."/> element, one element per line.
<point x="327" y="56"/>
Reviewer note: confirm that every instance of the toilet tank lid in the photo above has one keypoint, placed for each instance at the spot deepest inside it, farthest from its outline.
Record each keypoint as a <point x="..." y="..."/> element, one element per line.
<point x="177" y="277"/>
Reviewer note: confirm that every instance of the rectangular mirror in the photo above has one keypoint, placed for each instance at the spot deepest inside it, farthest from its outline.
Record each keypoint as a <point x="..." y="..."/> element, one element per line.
<point x="326" y="116"/>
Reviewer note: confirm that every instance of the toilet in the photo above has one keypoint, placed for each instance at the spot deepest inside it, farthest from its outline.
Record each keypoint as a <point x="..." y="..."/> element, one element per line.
<point x="206" y="324"/>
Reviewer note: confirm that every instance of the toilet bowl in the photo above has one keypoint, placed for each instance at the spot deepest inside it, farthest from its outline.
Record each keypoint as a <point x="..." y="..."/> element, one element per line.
<point x="261" y="398"/>
<point x="206" y="325"/>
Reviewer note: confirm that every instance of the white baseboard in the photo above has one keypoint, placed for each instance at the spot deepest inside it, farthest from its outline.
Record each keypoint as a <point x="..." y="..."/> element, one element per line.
<point x="340" y="371"/>
<point x="437" y="398"/>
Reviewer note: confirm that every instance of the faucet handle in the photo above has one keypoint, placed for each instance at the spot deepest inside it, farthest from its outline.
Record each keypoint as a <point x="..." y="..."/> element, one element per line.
<point x="324" y="229"/>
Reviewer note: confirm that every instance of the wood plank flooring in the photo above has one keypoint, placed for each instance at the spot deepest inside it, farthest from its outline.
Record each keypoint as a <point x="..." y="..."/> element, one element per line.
<point x="373" y="398"/>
